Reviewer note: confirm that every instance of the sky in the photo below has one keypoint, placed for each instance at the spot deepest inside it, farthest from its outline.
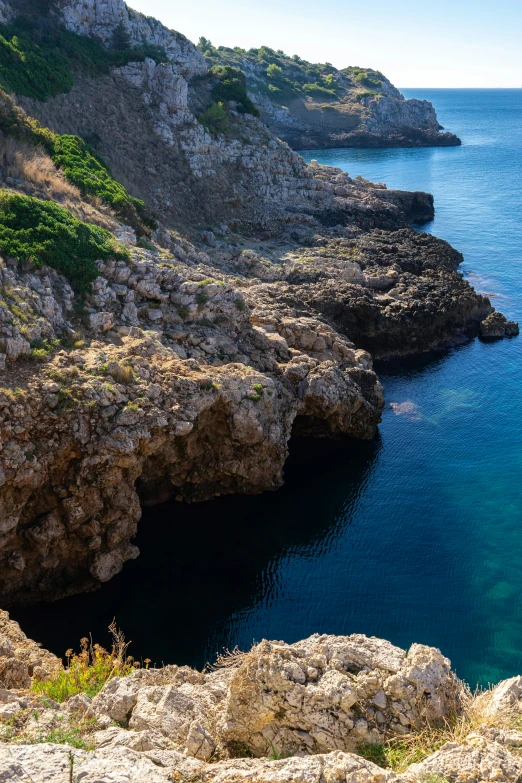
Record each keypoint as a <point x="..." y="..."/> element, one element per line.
<point x="447" y="43"/>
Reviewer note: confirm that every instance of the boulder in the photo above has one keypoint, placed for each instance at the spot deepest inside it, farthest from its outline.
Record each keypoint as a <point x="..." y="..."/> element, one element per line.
<point x="331" y="768"/>
<point x="333" y="692"/>
<point x="504" y="698"/>
<point x="21" y="658"/>
<point x="496" y="326"/>
<point x="166" y="709"/>
<point x="45" y="763"/>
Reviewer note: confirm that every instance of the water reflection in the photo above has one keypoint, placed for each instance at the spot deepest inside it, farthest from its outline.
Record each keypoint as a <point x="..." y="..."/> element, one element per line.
<point x="205" y="566"/>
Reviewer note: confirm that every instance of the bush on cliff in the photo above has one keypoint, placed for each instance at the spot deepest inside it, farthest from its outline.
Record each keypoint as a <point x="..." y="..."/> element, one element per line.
<point x="39" y="59"/>
<point x="215" y="119"/>
<point x="365" y="77"/>
<point x="232" y="86"/>
<point x="317" y="90"/>
<point x="80" y="165"/>
<point x="42" y="232"/>
<point x="92" y="177"/>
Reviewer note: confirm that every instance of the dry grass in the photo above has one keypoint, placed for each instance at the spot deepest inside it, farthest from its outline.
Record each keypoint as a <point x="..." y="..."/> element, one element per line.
<point x="231" y="659"/>
<point x="472" y="716"/>
<point x="40" y="177"/>
<point x="89" y="670"/>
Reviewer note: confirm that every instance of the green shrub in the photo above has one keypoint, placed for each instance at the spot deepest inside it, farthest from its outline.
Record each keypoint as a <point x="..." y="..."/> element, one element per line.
<point x="274" y="71"/>
<point x="91" y="176"/>
<point x="232" y="86"/>
<point x="45" y="233"/>
<point x="366" y="94"/>
<point x="39" y="60"/>
<point x="317" y="90"/>
<point x="365" y="77"/>
<point x="215" y="119"/>
<point x="79" y="163"/>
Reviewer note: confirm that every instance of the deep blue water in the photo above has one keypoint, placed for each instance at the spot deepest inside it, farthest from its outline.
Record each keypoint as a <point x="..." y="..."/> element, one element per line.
<point x="414" y="537"/>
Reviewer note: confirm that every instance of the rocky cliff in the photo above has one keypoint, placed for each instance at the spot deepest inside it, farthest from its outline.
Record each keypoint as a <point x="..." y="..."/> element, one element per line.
<point x="316" y="105"/>
<point x="176" y="357"/>
<point x="328" y="708"/>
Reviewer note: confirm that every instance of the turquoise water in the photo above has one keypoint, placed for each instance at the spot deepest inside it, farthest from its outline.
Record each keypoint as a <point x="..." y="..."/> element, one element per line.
<point x="414" y="537"/>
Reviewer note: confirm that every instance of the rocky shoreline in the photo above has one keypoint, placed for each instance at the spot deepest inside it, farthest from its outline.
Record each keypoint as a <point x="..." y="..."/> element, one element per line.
<point x="328" y="708"/>
<point x="251" y="312"/>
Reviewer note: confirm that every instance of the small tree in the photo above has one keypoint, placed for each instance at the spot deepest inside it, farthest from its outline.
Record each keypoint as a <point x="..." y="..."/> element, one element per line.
<point x="204" y="44"/>
<point x="215" y="119"/>
<point x="274" y="72"/>
<point x="121" y="39"/>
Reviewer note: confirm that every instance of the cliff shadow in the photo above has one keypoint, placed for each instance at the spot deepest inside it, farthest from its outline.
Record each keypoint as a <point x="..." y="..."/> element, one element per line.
<point x="202" y="563"/>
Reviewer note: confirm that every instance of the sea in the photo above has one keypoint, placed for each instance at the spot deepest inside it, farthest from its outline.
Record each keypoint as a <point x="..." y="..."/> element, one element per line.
<point x="413" y="537"/>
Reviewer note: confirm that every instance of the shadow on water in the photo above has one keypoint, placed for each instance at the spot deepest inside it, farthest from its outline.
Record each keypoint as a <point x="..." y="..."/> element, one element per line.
<point x="202" y="563"/>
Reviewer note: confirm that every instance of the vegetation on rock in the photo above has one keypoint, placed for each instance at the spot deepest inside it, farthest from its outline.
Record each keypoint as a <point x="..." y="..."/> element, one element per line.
<point x="89" y="670"/>
<point x="275" y="74"/>
<point x="42" y="232"/>
<point x="39" y="61"/>
<point x="215" y="119"/>
<point x="232" y="86"/>
<point x="81" y="166"/>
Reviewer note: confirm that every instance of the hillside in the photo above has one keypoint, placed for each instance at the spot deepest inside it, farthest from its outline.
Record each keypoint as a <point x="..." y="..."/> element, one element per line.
<point x="316" y="105"/>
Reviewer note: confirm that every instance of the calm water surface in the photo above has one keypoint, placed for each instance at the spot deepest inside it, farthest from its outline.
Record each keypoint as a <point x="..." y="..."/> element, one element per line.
<point x="414" y="537"/>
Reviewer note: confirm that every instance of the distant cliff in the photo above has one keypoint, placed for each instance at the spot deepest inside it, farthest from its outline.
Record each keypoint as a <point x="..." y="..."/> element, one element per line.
<point x="315" y="105"/>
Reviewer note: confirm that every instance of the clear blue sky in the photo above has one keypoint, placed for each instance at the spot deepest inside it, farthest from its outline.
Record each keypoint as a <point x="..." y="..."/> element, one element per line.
<point x="446" y="43"/>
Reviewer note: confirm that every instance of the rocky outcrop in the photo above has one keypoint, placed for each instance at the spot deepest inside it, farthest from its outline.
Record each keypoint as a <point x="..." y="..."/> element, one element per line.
<point x="279" y="713"/>
<point x="21" y="659"/>
<point x="477" y="759"/>
<point x="332" y="693"/>
<point x="496" y="326"/>
<point x="308" y="699"/>
<point x="317" y="106"/>
<point x="42" y="763"/>
<point x="100" y="19"/>
<point x="322" y="694"/>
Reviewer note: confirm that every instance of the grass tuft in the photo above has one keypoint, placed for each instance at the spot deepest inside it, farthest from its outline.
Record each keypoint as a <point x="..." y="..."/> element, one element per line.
<point x="89" y="670"/>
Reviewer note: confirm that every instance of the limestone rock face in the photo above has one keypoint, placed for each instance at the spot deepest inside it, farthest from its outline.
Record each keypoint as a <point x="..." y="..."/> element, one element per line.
<point x="503" y="698"/>
<point x="477" y="759"/>
<point x="350" y="114"/>
<point x="21" y="659"/>
<point x="331" y="693"/>
<point x="336" y="766"/>
<point x="61" y="764"/>
<point x="100" y="18"/>
<point x="253" y="314"/>
<point x="298" y="710"/>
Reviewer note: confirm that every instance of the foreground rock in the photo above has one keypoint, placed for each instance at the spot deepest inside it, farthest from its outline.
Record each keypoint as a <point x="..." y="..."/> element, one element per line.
<point x="496" y="326"/>
<point x="332" y="693"/>
<point x="21" y="659"/>
<point x="277" y="714"/>
<point x="56" y="763"/>
<point x="475" y="760"/>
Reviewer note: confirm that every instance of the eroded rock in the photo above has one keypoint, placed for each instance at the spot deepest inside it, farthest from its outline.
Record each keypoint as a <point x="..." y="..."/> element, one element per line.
<point x="331" y="693"/>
